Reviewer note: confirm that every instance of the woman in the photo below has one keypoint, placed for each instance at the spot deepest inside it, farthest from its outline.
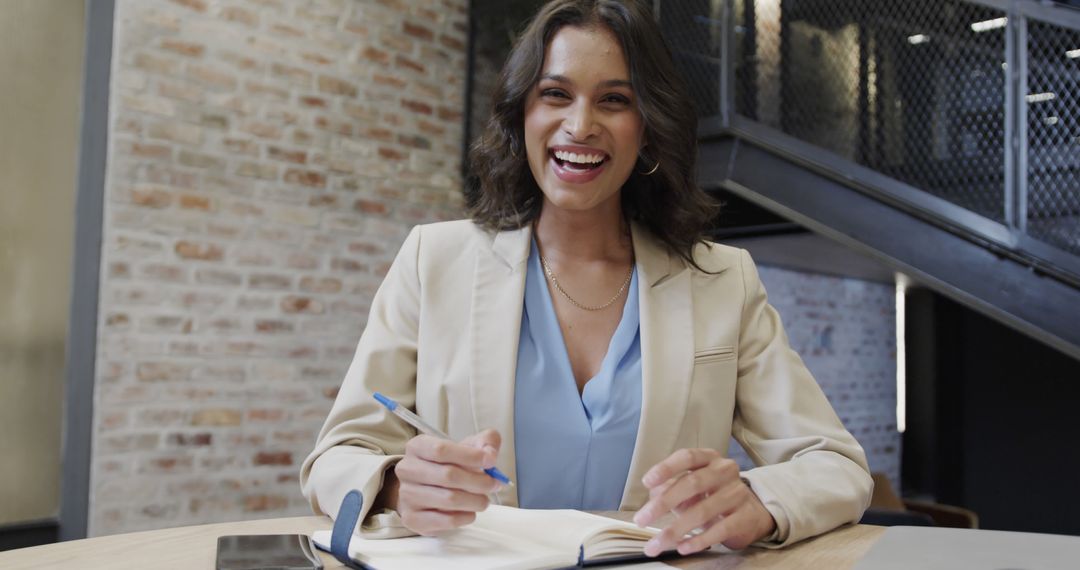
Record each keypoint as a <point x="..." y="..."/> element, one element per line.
<point x="579" y="333"/>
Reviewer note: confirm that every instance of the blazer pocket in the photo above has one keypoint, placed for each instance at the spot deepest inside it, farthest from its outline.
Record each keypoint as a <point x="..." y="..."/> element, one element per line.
<point x="714" y="354"/>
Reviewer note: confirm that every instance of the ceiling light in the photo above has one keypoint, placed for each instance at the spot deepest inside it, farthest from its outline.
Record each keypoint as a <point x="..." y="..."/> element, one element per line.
<point x="1041" y="97"/>
<point x="987" y="25"/>
<point x="918" y="39"/>
<point x="1073" y="54"/>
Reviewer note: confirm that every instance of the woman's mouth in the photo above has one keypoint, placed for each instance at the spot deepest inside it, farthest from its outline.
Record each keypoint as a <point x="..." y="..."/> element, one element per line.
<point x="577" y="167"/>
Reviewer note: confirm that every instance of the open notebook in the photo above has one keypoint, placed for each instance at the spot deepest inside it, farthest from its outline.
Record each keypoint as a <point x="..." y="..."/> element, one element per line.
<point x="507" y="537"/>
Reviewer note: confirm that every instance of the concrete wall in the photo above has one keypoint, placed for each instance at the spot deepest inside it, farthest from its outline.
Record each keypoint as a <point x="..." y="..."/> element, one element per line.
<point x="41" y="58"/>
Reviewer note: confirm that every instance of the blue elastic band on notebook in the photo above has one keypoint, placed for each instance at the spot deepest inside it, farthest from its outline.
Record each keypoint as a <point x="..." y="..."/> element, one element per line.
<point x="347" y="517"/>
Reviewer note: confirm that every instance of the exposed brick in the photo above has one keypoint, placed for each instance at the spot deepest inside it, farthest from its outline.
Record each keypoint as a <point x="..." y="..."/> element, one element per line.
<point x="258" y="89"/>
<point x="196" y="5"/>
<point x="292" y="74"/>
<point x="262" y="502"/>
<point x="239" y="15"/>
<point x="161" y="372"/>
<point x="350" y="265"/>
<point x="257" y="170"/>
<point x="273" y="326"/>
<point x="449" y="114"/>
<point x="151" y="197"/>
<point x="283" y="155"/>
<point x="402" y="62"/>
<point x="370" y="207"/>
<point x="335" y="86"/>
<point x="269" y="281"/>
<point x="417" y="31"/>
<point x="375" y="55"/>
<point x="212" y="76"/>
<point x="311" y="101"/>
<point x="414" y="141"/>
<point x="308" y="178"/>
<point x="321" y="284"/>
<point x="452" y="43"/>
<point x="199" y="251"/>
<point x="272" y="458"/>
<point x="262" y="182"/>
<point x="391" y="154"/>
<point x="188" y="49"/>
<point x="195" y="202"/>
<point x="217" y="417"/>
<point x="190" y="439"/>
<point x="416" y="106"/>
<point x="218" y="277"/>
<point x="151" y="151"/>
<point x="292" y="304"/>
<point x="200" y="160"/>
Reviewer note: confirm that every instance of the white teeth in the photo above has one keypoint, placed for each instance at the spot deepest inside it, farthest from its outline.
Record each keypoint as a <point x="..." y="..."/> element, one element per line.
<point x="579" y="158"/>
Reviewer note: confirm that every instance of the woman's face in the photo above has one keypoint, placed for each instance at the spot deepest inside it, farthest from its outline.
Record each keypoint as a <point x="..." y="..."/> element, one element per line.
<point x="583" y="130"/>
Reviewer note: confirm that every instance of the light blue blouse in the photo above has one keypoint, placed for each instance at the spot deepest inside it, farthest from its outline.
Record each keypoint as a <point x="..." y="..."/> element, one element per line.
<point x="573" y="452"/>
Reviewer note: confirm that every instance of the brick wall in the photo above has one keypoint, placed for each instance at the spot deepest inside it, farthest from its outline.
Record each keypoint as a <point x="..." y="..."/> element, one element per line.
<point x="845" y="331"/>
<point x="266" y="159"/>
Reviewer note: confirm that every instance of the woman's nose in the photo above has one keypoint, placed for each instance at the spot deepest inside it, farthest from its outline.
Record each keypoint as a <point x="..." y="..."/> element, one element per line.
<point x="580" y="122"/>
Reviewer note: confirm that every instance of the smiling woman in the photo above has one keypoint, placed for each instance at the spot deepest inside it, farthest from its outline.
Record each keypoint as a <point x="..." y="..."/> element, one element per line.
<point x="581" y="317"/>
<point x="622" y="63"/>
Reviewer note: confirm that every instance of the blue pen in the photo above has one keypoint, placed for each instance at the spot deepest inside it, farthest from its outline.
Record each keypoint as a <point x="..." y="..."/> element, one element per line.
<point x="424" y="427"/>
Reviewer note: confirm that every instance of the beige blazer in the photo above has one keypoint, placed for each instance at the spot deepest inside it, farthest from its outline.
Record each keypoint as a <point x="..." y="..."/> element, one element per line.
<point x="442" y="339"/>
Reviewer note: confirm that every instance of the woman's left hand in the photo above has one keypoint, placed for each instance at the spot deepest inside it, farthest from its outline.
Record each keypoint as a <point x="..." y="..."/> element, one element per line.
<point x="703" y="489"/>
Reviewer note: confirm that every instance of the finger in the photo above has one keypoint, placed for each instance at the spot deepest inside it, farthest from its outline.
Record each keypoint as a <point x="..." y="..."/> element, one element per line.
<point x="431" y="522"/>
<point x="707" y="479"/>
<point x="676" y="463"/>
<point x="428" y="497"/>
<point x="731" y="531"/>
<point x="440" y="450"/>
<point x="489" y="441"/>
<point x="720" y="505"/>
<point x="422" y="472"/>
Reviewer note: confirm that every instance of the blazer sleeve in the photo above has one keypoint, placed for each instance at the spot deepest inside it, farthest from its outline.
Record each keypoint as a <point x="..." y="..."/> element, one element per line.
<point x="812" y="474"/>
<point x="361" y="439"/>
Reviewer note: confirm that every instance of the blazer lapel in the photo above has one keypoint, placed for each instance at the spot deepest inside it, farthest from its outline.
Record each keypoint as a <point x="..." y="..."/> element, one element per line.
<point x="494" y="329"/>
<point x="667" y="358"/>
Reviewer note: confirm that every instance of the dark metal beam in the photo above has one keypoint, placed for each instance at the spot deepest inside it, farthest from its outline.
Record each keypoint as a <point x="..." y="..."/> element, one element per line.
<point x="82" y="327"/>
<point x="997" y="285"/>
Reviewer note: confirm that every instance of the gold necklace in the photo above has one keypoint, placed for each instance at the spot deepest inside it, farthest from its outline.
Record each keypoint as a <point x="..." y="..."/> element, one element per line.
<point x="555" y="282"/>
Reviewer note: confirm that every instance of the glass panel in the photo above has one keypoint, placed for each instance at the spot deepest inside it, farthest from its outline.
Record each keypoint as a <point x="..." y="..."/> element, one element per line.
<point x="1053" y="209"/>
<point x="41" y="57"/>
<point x="911" y="88"/>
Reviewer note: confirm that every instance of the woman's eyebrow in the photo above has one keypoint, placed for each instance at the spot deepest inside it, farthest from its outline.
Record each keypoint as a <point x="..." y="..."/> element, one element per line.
<point x="603" y="84"/>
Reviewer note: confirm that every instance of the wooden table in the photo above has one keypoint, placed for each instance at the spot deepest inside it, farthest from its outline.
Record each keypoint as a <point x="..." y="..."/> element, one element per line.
<point x="194" y="548"/>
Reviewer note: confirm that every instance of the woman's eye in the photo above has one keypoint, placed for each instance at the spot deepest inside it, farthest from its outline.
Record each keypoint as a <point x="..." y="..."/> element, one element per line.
<point x="616" y="99"/>
<point x="554" y="93"/>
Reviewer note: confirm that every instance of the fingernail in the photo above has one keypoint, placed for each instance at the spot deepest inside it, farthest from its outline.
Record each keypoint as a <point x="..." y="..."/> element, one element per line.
<point x="640" y="518"/>
<point x="652" y="548"/>
<point x="649" y="479"/>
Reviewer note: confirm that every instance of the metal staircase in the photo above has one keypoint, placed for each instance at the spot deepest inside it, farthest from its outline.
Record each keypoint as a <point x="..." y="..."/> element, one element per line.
<point x="941" y="137"/>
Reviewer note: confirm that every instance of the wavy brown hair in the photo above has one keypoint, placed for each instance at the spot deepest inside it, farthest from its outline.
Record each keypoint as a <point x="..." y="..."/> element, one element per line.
<point x="504" y="195"/>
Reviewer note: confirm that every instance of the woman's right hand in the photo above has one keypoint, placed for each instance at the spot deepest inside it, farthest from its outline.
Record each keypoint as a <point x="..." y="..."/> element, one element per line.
<point x="441" y="484"/>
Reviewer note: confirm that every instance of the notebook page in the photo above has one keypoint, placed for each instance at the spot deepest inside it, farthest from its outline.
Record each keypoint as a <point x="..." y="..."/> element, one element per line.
<point x="565" y="530"/>
<point x="467" y="548"/>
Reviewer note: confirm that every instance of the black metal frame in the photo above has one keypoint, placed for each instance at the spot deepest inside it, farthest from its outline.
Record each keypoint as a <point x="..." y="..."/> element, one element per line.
<point x="976" y="274"/>
<point x="82" y="329"/>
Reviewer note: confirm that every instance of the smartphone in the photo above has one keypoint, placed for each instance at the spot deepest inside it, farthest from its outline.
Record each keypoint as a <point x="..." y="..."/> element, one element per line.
<point x="267" y="551"/>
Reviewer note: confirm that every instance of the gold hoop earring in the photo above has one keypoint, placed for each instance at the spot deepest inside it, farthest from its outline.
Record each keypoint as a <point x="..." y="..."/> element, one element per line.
<point x="650" y="173"/>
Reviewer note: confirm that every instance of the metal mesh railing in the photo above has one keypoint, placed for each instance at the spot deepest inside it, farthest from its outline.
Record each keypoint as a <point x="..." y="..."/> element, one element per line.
<point x="918" y="90"/>
<point x="1053" y="137"/>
